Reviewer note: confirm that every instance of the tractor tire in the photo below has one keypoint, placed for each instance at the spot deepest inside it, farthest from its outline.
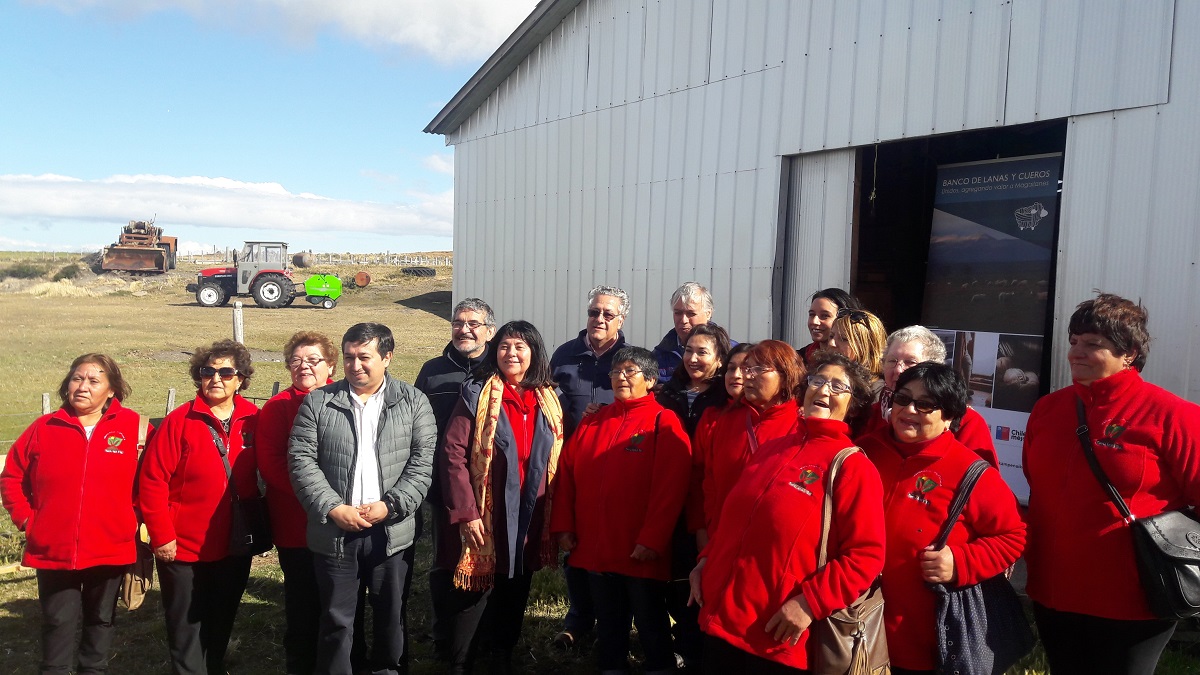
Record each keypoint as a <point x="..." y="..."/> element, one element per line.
<point x="271" y="291"/>
<point x="210" y="294"/>
<point x="419" y="271"/>
<point x="329" y="303"/>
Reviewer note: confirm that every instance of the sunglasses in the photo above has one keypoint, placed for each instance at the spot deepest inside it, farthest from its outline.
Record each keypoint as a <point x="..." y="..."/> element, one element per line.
<point x="608" y="316"/>
<point x="902" y="400"/>
<point x="225" y="373"/>
<point x="836" y="386"/>
<point x="856" y="315"/>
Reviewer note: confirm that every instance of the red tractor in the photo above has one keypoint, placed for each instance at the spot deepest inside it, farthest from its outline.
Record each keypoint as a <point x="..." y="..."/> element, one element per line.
<point x="259" y="271"/>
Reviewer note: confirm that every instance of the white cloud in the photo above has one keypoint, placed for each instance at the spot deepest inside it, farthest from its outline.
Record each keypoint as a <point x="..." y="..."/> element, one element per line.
<point x="448" y="30"/>
<point x="442" y="162"/>
<point x="215" y="203"/>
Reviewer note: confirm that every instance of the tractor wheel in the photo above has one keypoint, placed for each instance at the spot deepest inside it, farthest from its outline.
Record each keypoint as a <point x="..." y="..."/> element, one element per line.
<point x="271" y="290"/>
<point x="329" y="303"/>
<point x="211" y="295"/>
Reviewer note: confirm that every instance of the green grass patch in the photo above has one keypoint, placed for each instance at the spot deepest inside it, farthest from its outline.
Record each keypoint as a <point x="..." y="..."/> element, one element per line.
<point x="67" y="272"/>
<point x="24" y="270"/>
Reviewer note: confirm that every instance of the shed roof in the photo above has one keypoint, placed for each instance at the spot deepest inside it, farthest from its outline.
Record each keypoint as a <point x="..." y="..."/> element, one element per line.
<point x="544" y="18"/>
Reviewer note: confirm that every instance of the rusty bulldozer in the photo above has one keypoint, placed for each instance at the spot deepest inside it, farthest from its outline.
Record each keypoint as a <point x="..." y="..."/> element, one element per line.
<point x="143" y="248"/>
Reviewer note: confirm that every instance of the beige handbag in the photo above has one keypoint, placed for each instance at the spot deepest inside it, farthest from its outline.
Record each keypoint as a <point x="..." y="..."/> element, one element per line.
<point x="850" y="641"/>
<point x="139" y="575"/>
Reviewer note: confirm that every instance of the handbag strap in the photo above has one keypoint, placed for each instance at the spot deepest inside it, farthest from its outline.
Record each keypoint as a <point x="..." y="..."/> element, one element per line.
<point x="224" y="452"/>
<point x="827" y="508"/>
<point x="961" y="497"/>
<point x="1085" y="440"/>
<point x="750" y="433"/>
<point x="143" y="432"/>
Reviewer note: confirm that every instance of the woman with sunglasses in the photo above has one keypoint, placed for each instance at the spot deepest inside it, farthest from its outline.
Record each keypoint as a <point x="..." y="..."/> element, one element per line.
<point x="921" y="465"/>
<point x="311" y="359"/>
<point x="824" y="309"/>
<point x="757" y="581"/>
<point x="68" y="485"/>
<point x="201" y="456"/>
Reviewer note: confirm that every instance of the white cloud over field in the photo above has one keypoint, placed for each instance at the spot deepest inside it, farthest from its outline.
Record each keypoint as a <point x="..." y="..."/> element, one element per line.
<point x="447" y="30"/>
<point x="204" y="202"/>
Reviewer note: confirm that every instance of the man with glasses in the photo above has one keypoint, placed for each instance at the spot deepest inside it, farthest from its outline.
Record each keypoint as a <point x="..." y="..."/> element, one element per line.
<point x="580" y="369"/>
<point x="360" y="458"/>
<point x="471" y="328"/>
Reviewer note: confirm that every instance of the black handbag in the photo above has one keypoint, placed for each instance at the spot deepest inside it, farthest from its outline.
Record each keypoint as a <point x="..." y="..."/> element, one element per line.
<point x="982" y="629"/>
<point x="1166" y="546"/>
<point x="249" y="522"/>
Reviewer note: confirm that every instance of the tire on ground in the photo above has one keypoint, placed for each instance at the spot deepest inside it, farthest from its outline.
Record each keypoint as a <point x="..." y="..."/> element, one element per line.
<point x="419" y="271"/>
<point x="211" y="294"/>
<point x="271" y="290"/>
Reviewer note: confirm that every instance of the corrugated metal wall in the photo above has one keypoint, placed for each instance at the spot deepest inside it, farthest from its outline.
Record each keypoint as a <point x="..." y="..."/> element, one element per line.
<point x="643" y="144"/>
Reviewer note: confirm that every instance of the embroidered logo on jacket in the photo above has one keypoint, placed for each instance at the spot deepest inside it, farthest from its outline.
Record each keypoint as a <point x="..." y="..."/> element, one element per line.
<point x="1113" y="431"/>
<point x="925" y="482"/>
<point x="114" y="441"/>
<point x="808" y="475"/>
<point x="635" y="442"/>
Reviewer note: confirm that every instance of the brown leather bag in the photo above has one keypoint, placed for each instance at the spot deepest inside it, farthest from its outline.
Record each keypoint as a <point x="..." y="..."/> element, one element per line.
<point x="850" y="641"/>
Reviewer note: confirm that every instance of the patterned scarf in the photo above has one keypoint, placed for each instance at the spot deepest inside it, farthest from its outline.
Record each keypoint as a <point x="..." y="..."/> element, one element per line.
<point x="476" y="568"/>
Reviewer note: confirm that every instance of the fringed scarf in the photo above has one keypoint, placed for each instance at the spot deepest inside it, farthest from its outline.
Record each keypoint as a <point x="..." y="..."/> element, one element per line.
<point x="476" y="568"/>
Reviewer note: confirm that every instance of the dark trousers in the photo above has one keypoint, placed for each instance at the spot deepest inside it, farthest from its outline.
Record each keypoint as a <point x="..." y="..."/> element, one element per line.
<point x="69" y="597"/>
<point x="486" y="621"/>
<point x="302" y="610"/>
<point x="615" y="597"/>
<point x="689" y="641"/>
<point x="200" y="601"/>
<point x="1081" y="643"/>
<point x="364" y="560"/>
<point x="720" y="658"/>
<point x="581" y="615"/>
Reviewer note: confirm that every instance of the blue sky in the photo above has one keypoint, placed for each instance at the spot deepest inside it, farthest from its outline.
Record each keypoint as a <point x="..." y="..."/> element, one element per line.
<point x="228" y="120"/>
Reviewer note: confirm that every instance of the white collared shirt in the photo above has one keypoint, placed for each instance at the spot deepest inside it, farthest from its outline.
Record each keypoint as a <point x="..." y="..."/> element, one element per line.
<point x="366" y="484"/>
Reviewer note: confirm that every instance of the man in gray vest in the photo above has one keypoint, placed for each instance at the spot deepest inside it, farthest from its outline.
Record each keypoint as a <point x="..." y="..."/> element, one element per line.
<point x="360" y="458"/>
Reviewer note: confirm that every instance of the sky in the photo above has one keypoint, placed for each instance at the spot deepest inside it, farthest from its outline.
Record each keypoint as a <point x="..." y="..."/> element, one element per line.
<point x="233" y="120"/>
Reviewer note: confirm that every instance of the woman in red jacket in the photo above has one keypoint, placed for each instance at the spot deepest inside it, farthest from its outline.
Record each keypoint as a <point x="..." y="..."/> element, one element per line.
<point x="757" y="581"/>
<point x="185" y="492"/>
<point x="311" y="358"/>
<point x="921" y="465"/>
<point x="619" y="492"/>
<point x="68" y="485"/>
<point x="735" y="379"/>
<point x="1091" y="613"/>
<point x="773" y="375"/>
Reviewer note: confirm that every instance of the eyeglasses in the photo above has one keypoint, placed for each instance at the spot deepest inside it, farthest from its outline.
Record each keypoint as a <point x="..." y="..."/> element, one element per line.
<point x="836" y="386"/>
<point x="629" y="372"/>
<point x="225" y="373"/>
<point x="473" y="325"/>
<point x="311" y="362"/>
<point x="904" y="399"/>
<point x="595" y="314"/>
<point x="856" y="315"/>
<point x="755" y="371"/>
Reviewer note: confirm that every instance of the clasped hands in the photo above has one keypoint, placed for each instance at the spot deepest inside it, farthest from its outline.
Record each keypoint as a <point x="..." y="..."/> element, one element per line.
<point x="358" y="518"/>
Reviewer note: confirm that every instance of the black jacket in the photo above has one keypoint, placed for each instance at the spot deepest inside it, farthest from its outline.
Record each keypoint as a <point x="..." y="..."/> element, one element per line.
<point x="582" y="378"/>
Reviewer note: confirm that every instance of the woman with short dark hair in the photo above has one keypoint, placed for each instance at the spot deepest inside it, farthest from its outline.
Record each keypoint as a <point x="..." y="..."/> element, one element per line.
<point x="201" y="457"/>
<point x="824" y="308"/>
<point x="496" y="466"/>
<point x="921" y="465"/>
<point x="1091" y="612"/>
<point x="68" y="485"/>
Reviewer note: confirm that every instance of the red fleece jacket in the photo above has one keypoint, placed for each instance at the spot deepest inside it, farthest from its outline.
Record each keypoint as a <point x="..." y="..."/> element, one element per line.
<point x="764" y="548"/>
<point x="1147" y="440"/>
<point x="919" y="482"/>
<point x="73" y="496"/>
<point x="726" y="448"/>
<point x="183" y="490"/>
<point x="288" y="518"/>
<point x="973" y="432"/>
<point x="621" y="482"/>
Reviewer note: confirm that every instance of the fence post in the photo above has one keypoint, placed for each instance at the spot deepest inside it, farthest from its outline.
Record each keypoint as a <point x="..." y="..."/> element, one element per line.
<point x="45" y="404"/>
<point x="170" y="400"/>
<point x="238" y="329"/>
<point x="275" y="389"/>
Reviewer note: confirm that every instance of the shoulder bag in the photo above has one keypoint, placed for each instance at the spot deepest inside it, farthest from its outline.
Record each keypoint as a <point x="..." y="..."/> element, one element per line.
<point x="982" y="629"/>
<point x="249" y="524"/>
<point x="850" y="641"/>
<point x="139" y="574"/>
<point x="1167" y="545"/>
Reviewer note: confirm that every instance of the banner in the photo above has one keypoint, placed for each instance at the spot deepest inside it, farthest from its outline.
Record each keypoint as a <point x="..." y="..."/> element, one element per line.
<point x="987" y="287"/>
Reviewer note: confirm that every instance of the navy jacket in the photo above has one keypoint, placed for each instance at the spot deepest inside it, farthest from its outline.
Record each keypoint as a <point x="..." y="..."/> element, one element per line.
<point x="440" y="380"/>
<point x="582" y="378"/>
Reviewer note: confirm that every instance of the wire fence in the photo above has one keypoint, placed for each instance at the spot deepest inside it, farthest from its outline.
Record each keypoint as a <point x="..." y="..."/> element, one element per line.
<point x="311" y="258"/>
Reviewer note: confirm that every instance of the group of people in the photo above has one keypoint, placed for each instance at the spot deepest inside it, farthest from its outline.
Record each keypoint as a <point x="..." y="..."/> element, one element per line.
<point x="685" y="483"/>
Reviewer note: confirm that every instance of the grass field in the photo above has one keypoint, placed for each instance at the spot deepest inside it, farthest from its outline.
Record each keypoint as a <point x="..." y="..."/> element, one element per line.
<point x="150" y="326"/>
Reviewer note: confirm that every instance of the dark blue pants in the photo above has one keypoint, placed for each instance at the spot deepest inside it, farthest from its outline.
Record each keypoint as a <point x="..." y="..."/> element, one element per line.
<point x="581" y="616"/>
<point x="200" y="601"/>
<point x="364" y="559"/>
<point x="69" y="598"/>
<point x="482" y="622"/>
<point x="301" y="608"/>
<point x="1081" y="643"/>
<point x="615" y="597"/>
<point x="721" y="658"/>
